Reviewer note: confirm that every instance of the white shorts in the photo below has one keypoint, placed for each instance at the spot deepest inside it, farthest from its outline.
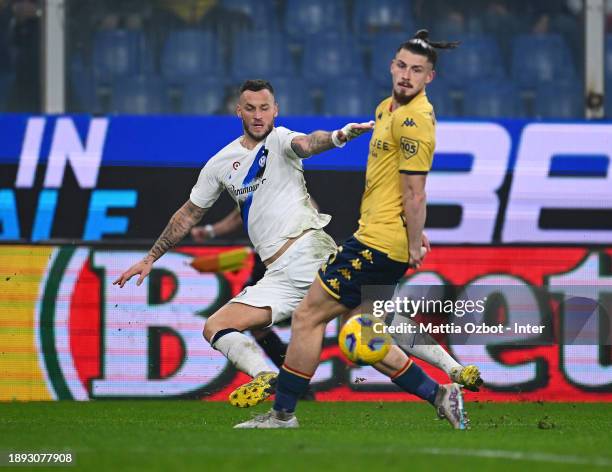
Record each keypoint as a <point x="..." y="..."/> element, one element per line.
<point x="288" y="278"/>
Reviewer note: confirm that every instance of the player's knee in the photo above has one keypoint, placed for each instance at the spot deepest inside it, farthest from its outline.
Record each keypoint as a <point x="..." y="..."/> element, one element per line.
<point x="213" y="324"/>
<point x="208" y="332"/>
<point x="220" y="323"/>
<point x="304" y="318"/>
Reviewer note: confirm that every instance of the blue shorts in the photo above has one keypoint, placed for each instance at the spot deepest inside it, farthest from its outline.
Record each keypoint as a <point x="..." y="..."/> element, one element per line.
<point x="355" y="265"/>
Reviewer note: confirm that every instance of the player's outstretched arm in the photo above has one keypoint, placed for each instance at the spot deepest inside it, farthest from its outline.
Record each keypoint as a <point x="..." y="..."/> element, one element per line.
<point x="320" y="141"/>
<point x="177" y="228"/>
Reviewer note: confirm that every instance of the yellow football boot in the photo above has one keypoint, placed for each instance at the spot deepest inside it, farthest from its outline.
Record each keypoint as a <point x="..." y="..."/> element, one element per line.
<point x="254" y="392"/>
<point x="468" y="376"/>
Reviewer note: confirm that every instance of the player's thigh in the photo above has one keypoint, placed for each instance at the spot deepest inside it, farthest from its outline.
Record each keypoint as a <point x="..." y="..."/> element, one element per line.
<point x="349" y="314"/>
<point x="318" y="307"/>
<point x="275" y="292"/>
<point x="238" y="316"/>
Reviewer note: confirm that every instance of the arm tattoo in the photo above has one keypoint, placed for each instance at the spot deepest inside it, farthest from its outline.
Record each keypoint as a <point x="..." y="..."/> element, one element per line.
<point x="177" y="228"/>
<point x="313" y="143"/>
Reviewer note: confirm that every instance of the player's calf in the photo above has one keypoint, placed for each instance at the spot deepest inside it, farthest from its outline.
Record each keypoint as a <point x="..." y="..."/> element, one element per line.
<point x="223" y="331"/>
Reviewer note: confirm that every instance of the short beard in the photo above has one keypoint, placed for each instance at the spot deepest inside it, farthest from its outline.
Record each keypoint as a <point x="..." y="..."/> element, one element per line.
<point x="403" y="99"/>
<point x="257" y="138"/>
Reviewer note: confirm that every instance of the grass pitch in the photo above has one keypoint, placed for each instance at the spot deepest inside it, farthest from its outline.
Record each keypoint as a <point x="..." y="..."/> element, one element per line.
<point x="192" y="435"/>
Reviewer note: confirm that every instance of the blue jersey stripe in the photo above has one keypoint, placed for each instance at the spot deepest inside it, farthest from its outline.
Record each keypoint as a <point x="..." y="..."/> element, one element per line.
<point x="255" y="171"/>
<point x="245" y="207"/>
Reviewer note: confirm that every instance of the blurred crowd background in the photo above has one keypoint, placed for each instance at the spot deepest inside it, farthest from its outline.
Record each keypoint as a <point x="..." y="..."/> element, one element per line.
<point x="518" y="58"/>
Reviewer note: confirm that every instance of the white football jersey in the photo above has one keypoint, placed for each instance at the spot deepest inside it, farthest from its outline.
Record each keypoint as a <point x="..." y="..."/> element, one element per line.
<point x="267" y="183"/>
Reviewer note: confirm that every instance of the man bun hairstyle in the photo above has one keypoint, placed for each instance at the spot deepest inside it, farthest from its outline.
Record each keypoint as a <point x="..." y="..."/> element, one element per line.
<point x="422" y="45"/>
<point x="255" y="85"/>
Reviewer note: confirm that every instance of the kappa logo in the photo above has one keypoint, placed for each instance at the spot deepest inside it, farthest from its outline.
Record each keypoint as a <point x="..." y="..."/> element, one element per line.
<point x="409" y="147"/>
<point x="409" y="122"/>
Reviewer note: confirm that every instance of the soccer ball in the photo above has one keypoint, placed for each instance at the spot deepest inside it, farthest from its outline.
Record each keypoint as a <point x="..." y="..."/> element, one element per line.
<point x="360" y="343"/>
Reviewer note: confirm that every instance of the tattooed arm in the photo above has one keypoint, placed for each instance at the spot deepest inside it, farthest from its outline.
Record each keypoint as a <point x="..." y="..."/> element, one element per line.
<point x="185" y="218"/>
<point x="177" y="228"/>
<point x="319" y="141"/>
<point x="313" y="143"/>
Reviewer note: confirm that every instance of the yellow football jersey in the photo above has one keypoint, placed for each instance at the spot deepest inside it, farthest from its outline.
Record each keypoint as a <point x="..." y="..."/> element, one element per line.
<point x="403" y="141"/>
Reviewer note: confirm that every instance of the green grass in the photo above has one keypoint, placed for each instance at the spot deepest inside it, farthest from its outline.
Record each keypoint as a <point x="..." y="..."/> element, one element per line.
<point x="191" y="435"/>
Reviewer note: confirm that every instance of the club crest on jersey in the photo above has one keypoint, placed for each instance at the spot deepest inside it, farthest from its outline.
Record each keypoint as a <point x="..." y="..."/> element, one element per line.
<point x="409" y="147"/>
<point x="264" y="157"/>
<point x="409" y="122"/>
<point x="235" y="165"/>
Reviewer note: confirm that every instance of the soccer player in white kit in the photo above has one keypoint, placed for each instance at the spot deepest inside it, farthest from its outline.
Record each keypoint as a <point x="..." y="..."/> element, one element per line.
<point x="262" y="171"/>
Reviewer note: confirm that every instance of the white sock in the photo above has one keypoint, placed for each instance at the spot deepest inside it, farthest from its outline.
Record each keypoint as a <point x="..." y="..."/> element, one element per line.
<point x="243" y="352"/>
<point x="423" y="346"/>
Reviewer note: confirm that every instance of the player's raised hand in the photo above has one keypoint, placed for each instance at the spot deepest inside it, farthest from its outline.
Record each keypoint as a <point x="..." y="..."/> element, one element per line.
<point x="350" y="131"/>
<point x="416" y="257"/>
<point x="143" y="268"/>
<point x="425" y="242"/>
<point x="199" y="234"/>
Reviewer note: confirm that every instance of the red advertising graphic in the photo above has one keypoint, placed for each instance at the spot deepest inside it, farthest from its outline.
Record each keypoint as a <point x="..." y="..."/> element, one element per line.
<point x="69" y="333"/>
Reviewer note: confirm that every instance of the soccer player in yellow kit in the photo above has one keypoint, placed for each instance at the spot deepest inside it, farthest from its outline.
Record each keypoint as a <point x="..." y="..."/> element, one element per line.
<point x="387" y="243"/>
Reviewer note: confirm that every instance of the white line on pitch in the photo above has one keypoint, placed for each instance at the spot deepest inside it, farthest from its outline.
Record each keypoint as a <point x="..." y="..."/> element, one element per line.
<point x="517" y="456"/>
